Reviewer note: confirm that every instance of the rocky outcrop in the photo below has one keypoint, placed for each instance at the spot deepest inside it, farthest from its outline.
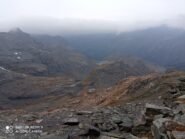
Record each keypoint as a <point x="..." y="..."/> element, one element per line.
<point x="155" y="121"/>
<point x="108" y="74"/>
<point x="171" y="127"/>
<point x="157" y="113"/>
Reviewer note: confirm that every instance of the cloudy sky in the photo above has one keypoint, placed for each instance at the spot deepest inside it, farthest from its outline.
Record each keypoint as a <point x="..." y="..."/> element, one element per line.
<point x="61" y="16"/>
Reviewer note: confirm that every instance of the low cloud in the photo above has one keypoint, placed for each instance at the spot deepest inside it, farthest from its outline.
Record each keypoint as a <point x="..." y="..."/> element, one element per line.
<point x="53" y="26"/>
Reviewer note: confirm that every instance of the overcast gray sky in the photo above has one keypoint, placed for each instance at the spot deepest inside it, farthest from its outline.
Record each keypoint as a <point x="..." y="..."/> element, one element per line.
<point x="61" y="16"/>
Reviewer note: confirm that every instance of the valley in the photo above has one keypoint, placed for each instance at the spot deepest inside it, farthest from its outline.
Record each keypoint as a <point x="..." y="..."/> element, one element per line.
<point x="46" y="82"/>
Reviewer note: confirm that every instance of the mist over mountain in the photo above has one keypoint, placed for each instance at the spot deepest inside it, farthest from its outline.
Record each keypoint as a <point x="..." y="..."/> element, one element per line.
<point x="53" y="41"/>
<point x="161" y="45"/>
<point x="92" y="69"/>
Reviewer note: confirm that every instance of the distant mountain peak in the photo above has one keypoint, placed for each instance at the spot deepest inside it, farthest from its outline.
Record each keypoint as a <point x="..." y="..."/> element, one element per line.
<point x="16" y="30"/>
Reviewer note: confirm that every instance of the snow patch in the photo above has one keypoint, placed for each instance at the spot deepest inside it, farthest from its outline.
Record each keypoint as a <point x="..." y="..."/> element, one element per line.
<point x="17" y="53"/>
<point x="19" y="57"/>
<point x="2" y="68"/>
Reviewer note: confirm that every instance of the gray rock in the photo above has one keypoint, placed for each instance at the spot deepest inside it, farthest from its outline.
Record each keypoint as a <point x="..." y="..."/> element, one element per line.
<point x="177" y="110"/>
<point x="158" y="129"/>
<point x="107" y="126"/>
<point x="81" y="125"/>
<point x="180" y="118"/>
<point x="116" y="119"/>
<point x="3" y="137"/>
<point x="91" y="90"/>
<point x="84" y="112"/>
<point x="107" y="111"/>
<point x="140" y="129"/>
<point x="182" y="107"/>
<point x="181" y="97"/>
<point x="38" y="121"/>
<point x="158" y="116"/>
<point x="181" y="86"/>
<point x="178" y="134"/>
<point x="93" y="131"/>
<point x="53" y="136"/>
<point x="89" y="130"/>
<point x="126" y="124"/>
<point x="119" y="136"/>
<point x="152" y="110"/>
<point x="97" y="121"/>
<point x="114" y="136"/>
<point x="173" y="91"/>
<point x="140" y="120"/>
<point x="107" y="137"/>
<point x="182" y="79"/>
<point x="169" y="134"/>
<point x="71" y="121"/>
<point x="30" y="117"/>
<point x="134" y="137"/>
<point x="177" y="95"/>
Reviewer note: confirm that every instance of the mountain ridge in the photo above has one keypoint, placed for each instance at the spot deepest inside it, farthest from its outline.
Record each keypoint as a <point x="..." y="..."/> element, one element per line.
<point x="160" y="45"/>
<point x="23" y="53"/>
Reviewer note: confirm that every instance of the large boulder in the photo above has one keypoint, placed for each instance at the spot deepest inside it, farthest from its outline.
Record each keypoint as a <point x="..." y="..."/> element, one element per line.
<point x="85" y="131"/>
<point x="178" y="134"/>
<point x="161" y="129"/>
<point x="152" y="110"/>
<point x="119" y="136"/>
<point x="127" y="124"/>
<point x="71" y="121"/>
<point x="181" y="99"/>
<point x="158" y="128"/>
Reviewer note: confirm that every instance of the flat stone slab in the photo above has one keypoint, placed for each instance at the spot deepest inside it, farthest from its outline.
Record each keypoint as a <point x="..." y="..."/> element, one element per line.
<point x="181" y="97"/>
<point x="151" y="109"/>
<point x="71" y="121"/>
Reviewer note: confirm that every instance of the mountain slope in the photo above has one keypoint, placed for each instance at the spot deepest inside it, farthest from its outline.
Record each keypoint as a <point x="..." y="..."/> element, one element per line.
<point x="154" y="88"/>
<point x="22" y="53"/>
<point x="110" y="72"/>
<point x="161" y="45"/>
<point x="17" y="88"/>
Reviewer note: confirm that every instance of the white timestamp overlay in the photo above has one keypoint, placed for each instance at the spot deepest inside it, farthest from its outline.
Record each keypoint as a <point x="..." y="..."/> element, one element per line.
<point x="23" y="129"/>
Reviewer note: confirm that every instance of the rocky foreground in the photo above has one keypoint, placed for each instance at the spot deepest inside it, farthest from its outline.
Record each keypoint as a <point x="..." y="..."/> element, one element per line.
<point x="156" y="113"/>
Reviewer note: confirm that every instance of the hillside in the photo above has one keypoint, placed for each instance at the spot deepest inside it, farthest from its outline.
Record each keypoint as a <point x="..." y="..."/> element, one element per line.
<point x="16" y="89"/>
<point x="112" y="70"/>
<point x="92" y="69"/>
<point x="160" y="45"/>
<point x="22" y="53"/>
<point x="45" y="82"/>
<point x="135" y="108"/>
